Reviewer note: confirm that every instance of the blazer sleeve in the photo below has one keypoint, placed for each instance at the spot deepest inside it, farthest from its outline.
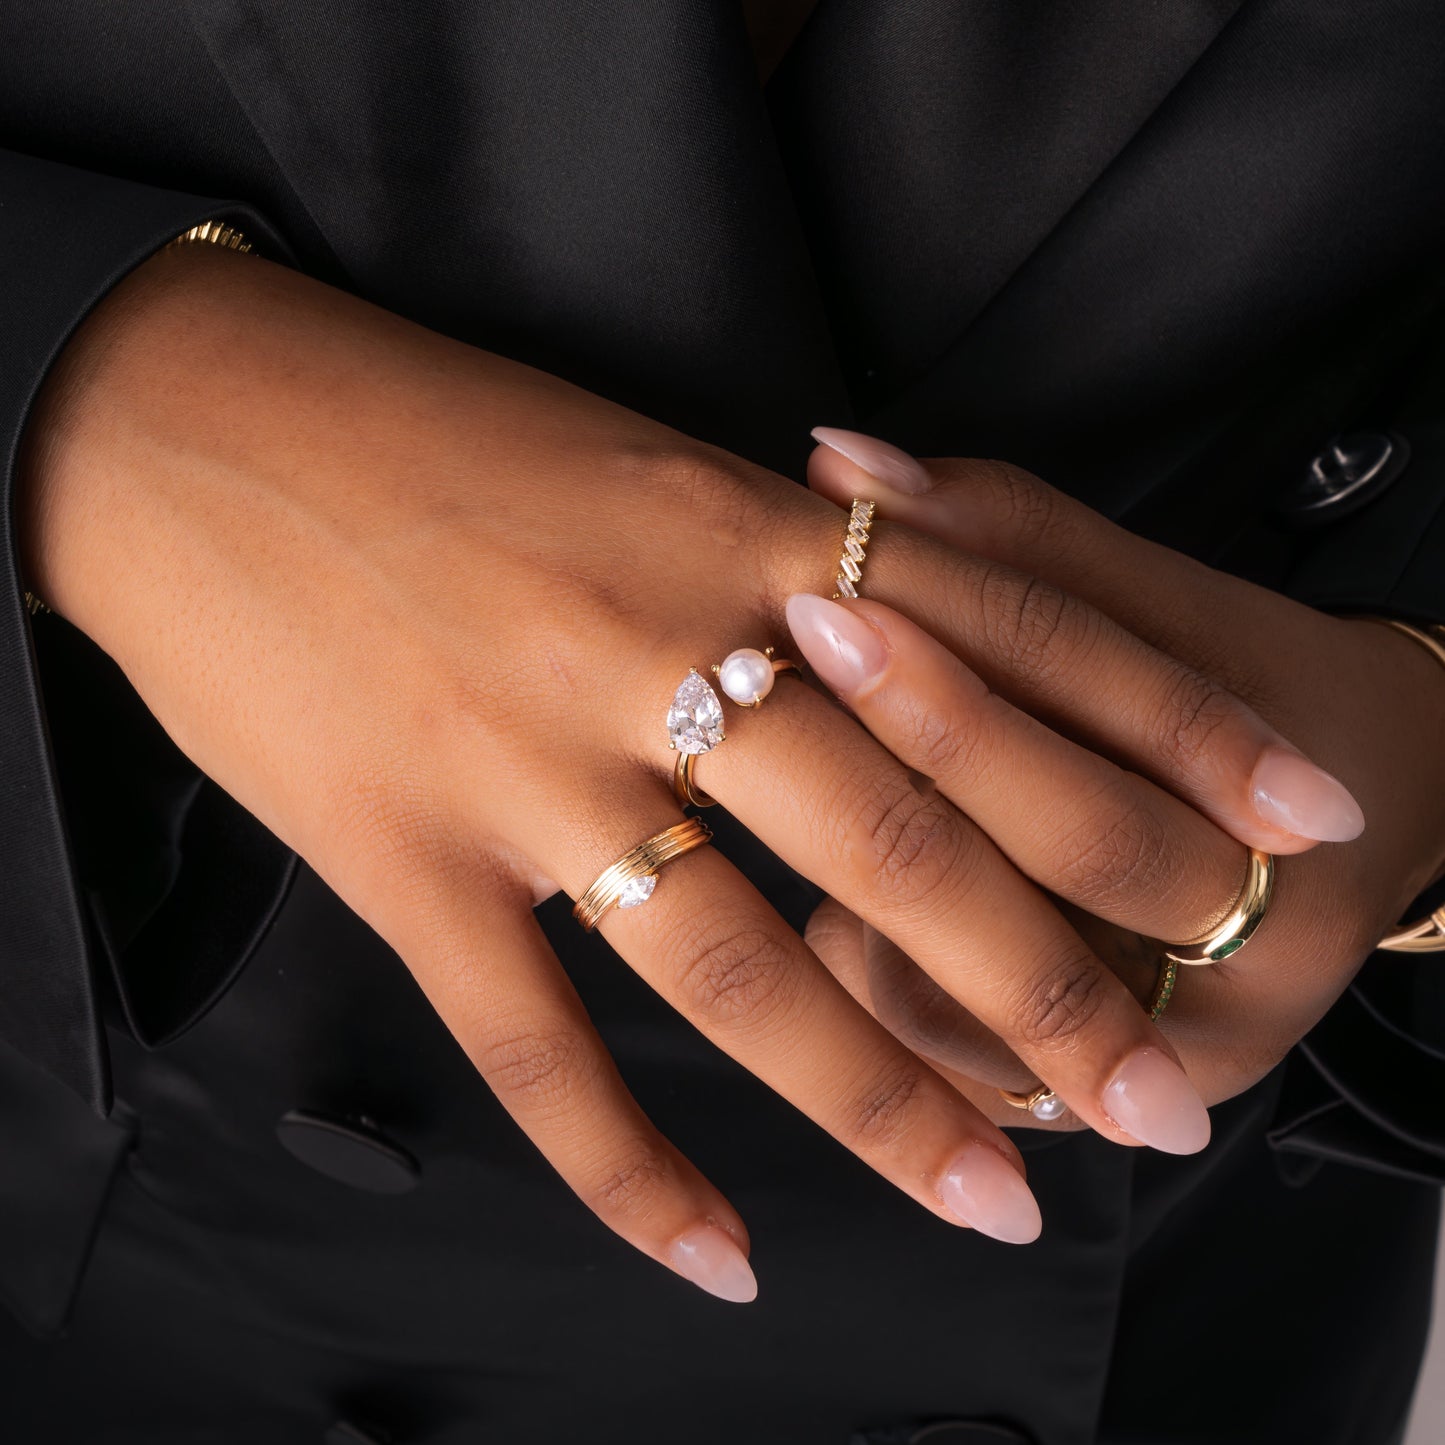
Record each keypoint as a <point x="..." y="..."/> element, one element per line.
<point x="132" y="888"/>
<point x="1365" y="1086"/>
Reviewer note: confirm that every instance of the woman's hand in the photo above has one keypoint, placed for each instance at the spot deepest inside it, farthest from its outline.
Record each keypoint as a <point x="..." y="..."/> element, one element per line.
<point x="1127" y="857"/>
<point x="422" y="610"/>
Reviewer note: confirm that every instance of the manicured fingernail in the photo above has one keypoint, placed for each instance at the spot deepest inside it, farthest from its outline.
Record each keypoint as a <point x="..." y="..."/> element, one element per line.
<point x="1152" y="1099"/>
<point x="843" y="649"/>
<point x="1290" y="792"/>
<point x="882" y="462"/>
<point x="710" y="1258"/>
<point x="984" y="1190"/>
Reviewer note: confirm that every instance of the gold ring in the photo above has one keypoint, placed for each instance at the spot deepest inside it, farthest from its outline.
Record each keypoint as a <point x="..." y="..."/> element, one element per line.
<point x="1246" y="915"/>
<point x="855" y="550"/>
<point x="695" y="719"/>
<point x="631" y="879"/>
<point x="1041" y="1101"/>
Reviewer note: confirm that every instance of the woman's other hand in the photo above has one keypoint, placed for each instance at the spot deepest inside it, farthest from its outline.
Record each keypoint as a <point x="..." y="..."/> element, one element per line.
<point x="1097" y="817"/>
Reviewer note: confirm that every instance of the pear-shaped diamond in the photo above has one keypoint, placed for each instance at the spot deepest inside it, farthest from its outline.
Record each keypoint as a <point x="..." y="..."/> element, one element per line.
<point x="695" y="720"/>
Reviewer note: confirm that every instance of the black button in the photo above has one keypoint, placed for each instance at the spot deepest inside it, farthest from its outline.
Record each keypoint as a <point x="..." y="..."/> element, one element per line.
<point x="968" y="1432"/>
<point x="352" y="1150"/>
<point x="1349" y="473"/>
<point x="343" y="1432"/>
<point x="943" y="1432"/>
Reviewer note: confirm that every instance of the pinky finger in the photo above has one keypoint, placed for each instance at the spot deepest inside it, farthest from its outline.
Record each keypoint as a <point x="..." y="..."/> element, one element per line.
<point x="494" y="980"/>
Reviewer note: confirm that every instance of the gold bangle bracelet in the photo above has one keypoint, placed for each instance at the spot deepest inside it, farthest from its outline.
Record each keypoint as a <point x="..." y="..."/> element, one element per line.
<point x="1426" y="935"/>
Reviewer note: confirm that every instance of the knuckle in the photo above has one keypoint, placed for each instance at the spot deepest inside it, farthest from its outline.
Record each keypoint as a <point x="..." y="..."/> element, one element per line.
<point x="940" y="745"/>
<point x="738" y="976"/>
<point x="1195" y="707"/>
<point x="915" y="845"/>
<point x="1060" y="1003"/>
<point x="633" y="1186"/>
<point x="1027" y="617"/>
<point x="534" y="1065"/>
<point x="1026" y="506"/>
<point x="881" y="1117"/>
<point x="1123" y="857"/>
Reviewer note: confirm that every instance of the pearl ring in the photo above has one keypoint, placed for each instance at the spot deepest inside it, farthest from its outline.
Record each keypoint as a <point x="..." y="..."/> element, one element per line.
<point x="695" y="719"/>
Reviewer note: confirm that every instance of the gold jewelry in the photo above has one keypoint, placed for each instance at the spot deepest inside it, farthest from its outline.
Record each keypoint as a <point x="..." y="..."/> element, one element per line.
<point x="695" y="721"/>
<point x="1430" y="635"/>
<point x="684" y="789"/>
<point x="1041" y="1101"/>
<point x="855" y="550"/>
<point x="1427" y="935"/>
<point x="218" y="234"/>
<point x="1246" y="915"/>
<point x="630" y="880"/>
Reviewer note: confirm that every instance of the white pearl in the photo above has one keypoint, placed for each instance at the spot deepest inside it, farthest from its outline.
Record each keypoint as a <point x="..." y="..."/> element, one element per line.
<point x="746" y="676"/>
<point x="1050" y="1106"/>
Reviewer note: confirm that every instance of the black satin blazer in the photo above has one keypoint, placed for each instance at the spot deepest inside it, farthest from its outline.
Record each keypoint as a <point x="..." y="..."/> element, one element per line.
<point x="1161" y="254"/>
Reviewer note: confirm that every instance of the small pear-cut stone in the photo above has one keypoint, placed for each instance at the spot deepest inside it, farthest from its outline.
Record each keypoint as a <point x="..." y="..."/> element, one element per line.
<point x="1050" y="1106"/>
<point x="695" y="720"/>
<point x="746" y="676"/>
<point x="637" y="890"/>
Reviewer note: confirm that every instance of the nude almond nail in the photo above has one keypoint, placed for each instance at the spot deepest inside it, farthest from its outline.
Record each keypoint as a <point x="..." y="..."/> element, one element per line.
<point x="843" y="649"/>
<point x="986" y="1192"/>
<point x="882" y="461"/>
<point x="1150" y="1097"/>
<point x="711" y="1259"/>
<point x="1292" y="793"/>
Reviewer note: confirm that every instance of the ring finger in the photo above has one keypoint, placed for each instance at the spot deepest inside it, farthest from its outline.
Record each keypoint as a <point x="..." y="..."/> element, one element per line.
<point x="713" y="947"/>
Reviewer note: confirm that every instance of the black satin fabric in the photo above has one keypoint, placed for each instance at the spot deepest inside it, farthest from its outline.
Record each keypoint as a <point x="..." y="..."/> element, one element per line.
<point x="1160" y="254"/>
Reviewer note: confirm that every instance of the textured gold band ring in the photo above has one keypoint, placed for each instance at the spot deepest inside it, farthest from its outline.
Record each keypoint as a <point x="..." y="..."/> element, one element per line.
<point x="631" y="879"/>
<point x="1041" y="1101"/>
<point x="1246" y="915"/>
<point x="855" y="550"/>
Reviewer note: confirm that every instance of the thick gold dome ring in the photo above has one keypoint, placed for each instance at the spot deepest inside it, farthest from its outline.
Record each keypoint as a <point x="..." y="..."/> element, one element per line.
<point x="1247" y="914"/>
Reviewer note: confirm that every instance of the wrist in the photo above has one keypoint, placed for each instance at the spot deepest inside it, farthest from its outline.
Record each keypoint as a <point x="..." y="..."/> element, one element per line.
<point x="78" y="483"/>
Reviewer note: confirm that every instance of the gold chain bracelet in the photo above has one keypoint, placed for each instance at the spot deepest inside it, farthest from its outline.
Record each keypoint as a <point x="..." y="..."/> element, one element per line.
<point x="216" y="233"/>
<point x="1425" y="935"/>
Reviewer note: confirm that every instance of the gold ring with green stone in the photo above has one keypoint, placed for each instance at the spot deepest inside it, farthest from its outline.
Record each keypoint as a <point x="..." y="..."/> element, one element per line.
<point x="1246" y="915"/>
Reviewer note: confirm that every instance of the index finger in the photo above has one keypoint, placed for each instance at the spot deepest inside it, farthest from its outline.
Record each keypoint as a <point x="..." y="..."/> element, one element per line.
<point x="1053" y="604"/>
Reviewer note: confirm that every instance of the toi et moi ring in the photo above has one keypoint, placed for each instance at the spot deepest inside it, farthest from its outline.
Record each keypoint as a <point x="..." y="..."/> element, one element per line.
<point x="695" y="719"/>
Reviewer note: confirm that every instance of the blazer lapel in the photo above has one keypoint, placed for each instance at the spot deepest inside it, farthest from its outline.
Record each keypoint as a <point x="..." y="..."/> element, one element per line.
<point x="933" y="147"/>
